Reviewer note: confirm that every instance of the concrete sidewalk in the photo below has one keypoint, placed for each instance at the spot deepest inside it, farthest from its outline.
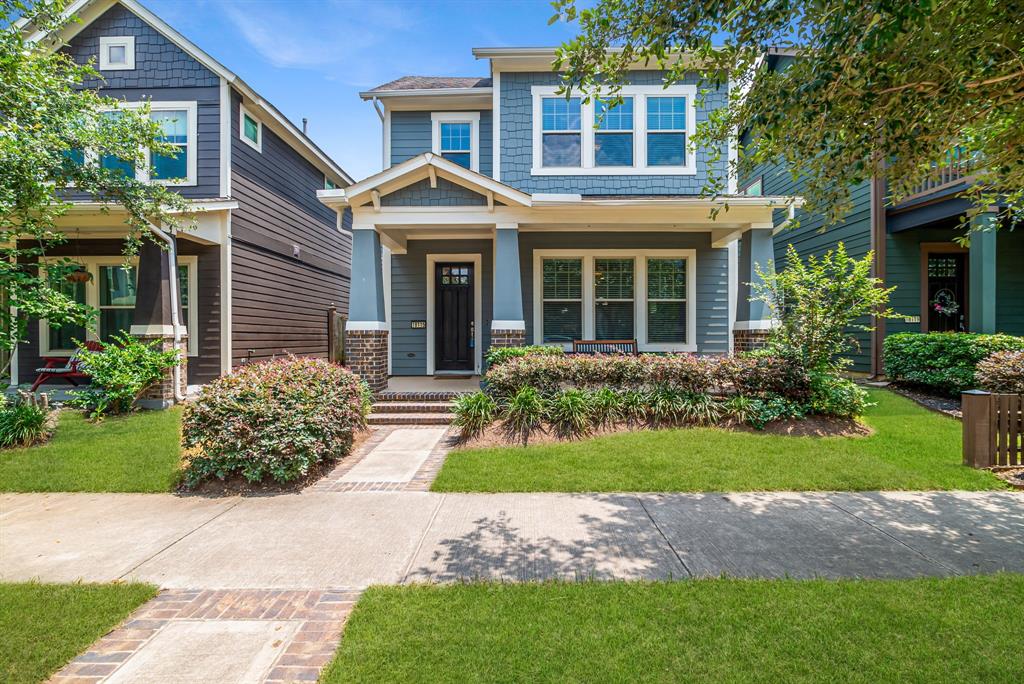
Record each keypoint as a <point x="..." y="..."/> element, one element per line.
<point x="327" y="540"/>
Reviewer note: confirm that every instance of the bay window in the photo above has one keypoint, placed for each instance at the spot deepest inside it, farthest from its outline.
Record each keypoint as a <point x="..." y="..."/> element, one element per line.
<point x="607" y="294"/>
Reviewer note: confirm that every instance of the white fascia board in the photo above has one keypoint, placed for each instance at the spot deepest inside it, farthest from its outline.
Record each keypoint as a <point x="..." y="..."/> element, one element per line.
<point x="333" y="198"/>
<point x="424" y="92"/>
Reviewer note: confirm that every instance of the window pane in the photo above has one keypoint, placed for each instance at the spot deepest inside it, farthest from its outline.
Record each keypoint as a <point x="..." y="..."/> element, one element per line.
<point x="563" y="278"/>
<point x="167" y="168"/>
<point x="666" y="149"/>
<point x="117" y="286"/>
<point x="563" y="321"/>
<point x="173" y="125"/>
<point x="666" y="113"/>
<point x="613" y="149"/>
<point x="116" y="54"/>
<point x="619" y="118"/>
<point x="613" y="320"/>
<point x="562" y="149"/>
<point x="666" y="279"/>
<point x="613" y="279"/>
<point x="109" y="161"/>
<point x="114" y="321"/>
<point x="559" y="114"/>
<point x="455" y="137"/>
<point x="666" y="321"/>
<point x="64" y="336"/>
<point x="755" y="189"/>
<point x="76" y="156"/>
<point x="183" y="286"/>
<point x="251" y="129"/>
<point x="461" y="158"/>
<point x="329" y="184"/>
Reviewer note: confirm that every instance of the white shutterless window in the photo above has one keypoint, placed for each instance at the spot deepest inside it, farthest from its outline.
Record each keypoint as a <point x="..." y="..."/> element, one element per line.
<point x="562" y="304"/>
<point x="456" y="137"/>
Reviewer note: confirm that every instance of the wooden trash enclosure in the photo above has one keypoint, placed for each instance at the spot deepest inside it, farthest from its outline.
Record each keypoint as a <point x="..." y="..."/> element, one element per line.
<point x="335" y="336"/>
<point x="993" y="429"/>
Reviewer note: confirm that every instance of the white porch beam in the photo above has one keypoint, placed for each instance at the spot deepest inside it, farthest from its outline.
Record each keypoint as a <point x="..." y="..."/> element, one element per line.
<point x="432" y="173"/>
<point x="722" y="238"/>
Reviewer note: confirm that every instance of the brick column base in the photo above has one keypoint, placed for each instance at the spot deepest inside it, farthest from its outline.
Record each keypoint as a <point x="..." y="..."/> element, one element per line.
<point x="508" y="338"/>
<point x="366" y="355"/>
<point x="160" y="395"/>
<point x="748" y="340"/>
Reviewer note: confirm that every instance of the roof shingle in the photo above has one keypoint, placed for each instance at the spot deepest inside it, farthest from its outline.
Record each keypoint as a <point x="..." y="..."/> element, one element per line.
<point x="433" y="82"/>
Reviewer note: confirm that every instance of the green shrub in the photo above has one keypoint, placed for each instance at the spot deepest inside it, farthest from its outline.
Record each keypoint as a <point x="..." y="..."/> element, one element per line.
<point x="473" y="413"/>
<point x="634" y="407"/>
<point x="523" y="415"/>
<point x="666" y="406"/>
<point x="1002" y="372"/>
<point x="120" y="373"/>
<point x="606" y="407"/>
<point x="836" y="396"/>
<point x="570" y="413"/>
<point x="943" y="362"/>
<point x="739" y="408"/>
<point x="761" y="374"/>
<point x="22" y="423"/>
<point x="499" y="355"/>
<point x="764" y="411"/>
<point x="700" y="409"/>
<point x="273" y="419"/>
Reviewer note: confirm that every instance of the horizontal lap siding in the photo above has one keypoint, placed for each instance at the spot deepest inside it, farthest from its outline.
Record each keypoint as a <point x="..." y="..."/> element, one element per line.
<point x="1010" y="282"/>
<point x="279" y="300"/>
<point x="409" y="298"/>
<point x="411" y="135"/>
<point x="712" y="328"/>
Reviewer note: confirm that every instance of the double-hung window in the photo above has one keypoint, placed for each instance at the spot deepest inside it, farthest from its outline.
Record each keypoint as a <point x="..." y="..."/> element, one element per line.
<point x="609" y="294"/>
<point x="562" y="135"/>
<point x="666" y="131"/>
<point x="613" y="137"/>
<point x="174" y="126"/>
<point x="117" y="300"/>
<point x="455" y="136"/>
<point x="112" y="162"/>
<point x="177" y="128"/>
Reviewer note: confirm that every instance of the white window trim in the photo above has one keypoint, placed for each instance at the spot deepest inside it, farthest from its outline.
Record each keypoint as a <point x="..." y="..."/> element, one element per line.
<point x="92" y="298"/>
<point x="191" y="147"/>
<point x="639" y="293"/>
<point x="242" y="113"/>
<point x="472" y="118"/>
<point x="596" y="131"/>
<point x="639" y="95"/>
<point x="107" y="42"/>
<point x="478" y="335"/>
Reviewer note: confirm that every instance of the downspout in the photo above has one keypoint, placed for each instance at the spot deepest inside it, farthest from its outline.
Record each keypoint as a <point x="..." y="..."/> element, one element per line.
<point x="172" y="254"/>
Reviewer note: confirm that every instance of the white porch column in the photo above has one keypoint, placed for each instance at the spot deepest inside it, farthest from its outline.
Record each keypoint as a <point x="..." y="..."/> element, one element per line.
<point x="508" y="329"/>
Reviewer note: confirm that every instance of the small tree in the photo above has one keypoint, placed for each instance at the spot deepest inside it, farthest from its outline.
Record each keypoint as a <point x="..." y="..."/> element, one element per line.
<point x="818" y="302"/>
<point x="53" y="131"/>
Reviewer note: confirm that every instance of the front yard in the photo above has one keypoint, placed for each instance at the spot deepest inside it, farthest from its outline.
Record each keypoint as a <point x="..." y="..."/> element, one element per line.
<point x="46" y="625"/>
<point x="925" y="630"/>
<point x="139" y="452"/>
<point x="912" y="448"/>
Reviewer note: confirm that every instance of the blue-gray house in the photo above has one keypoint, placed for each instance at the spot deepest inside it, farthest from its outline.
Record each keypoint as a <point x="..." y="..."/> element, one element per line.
<point x="507" y="213"/>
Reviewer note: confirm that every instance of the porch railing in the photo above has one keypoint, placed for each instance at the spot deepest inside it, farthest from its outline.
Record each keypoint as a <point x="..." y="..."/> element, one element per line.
<point x="993" y="429"/>
<point x="958" y="168"/>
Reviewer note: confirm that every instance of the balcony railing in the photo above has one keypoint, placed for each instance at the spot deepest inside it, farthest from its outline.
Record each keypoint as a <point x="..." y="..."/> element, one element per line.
<point x="959" y="167"/>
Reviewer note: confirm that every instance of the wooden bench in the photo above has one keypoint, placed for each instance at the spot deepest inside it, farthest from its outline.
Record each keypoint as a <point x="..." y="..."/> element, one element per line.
<point x="605" y="347"/>
<point x="64" y="368"/>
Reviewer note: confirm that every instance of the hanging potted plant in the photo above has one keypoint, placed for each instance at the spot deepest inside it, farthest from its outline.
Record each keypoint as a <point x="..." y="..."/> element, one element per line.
<point x="78" y="275"/>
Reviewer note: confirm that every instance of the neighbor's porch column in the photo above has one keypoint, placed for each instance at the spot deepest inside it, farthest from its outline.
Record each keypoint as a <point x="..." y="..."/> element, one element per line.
<point x="508" y="328"/>
<point x="151" y="319"/>
<point x="366" y="333"/>
<point x="753" y="319"/>
<point x="982" y="287"/>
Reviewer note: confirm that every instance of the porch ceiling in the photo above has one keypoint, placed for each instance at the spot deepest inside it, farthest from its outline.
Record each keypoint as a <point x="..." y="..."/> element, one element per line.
<point x="96" y="220"/>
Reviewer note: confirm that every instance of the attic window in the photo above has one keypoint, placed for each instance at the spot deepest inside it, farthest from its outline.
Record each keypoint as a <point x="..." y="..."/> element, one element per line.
<point x="117" y="53"/>
<point x="250" y="129"/>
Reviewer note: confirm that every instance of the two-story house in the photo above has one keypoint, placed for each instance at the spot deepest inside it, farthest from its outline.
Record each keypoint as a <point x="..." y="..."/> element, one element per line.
<point x="265" y="261"/>
<point x="940" y="285"/>
<point x="508" y="213"/>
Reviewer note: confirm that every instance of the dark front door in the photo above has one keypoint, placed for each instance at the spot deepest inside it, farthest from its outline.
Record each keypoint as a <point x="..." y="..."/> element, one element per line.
<point x="946" y="300"/>
<point x="454" y="329"/>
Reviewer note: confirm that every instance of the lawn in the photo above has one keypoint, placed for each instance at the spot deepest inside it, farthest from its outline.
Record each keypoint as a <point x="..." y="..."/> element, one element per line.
<point x="134" y="453"/>
<point x="912" y="448"/>
<point x="46" y="625"/>
<point x="928" y="630"/>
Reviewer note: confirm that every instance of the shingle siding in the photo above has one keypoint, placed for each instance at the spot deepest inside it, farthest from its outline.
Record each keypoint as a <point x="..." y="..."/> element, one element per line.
<point x="447" y="194"/>
<point x="517" y="144"/>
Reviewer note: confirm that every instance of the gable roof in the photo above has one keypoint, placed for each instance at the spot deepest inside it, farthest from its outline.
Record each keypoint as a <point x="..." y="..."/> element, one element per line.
<point x="90" y="10"/>
<point x="426" y="165"/>
<point x="432" y="83"/>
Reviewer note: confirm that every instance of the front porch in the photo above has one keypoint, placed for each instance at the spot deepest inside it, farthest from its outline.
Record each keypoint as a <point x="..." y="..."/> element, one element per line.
<point x="447" y="263"/>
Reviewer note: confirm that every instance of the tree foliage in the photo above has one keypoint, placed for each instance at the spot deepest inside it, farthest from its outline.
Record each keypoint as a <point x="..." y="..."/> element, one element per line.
<point x="46" y="114"/>
<point x="886" y="87"/>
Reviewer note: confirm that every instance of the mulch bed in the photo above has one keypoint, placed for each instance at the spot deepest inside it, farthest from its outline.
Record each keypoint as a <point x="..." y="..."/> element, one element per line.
<point x="949" y="406"/>
<point x="815" y="426"/>
<point x="1013" y="476"/>
<point x="236" y="485"/>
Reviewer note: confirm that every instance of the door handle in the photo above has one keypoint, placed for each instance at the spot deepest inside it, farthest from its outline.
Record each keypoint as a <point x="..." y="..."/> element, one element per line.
<point x="472" y="334"/>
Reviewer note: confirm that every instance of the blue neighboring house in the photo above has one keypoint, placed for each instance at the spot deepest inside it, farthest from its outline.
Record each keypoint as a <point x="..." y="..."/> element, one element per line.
<point x="266" y="261"/>
<point x="504" y="216"/>
<point x="940" y="285"/>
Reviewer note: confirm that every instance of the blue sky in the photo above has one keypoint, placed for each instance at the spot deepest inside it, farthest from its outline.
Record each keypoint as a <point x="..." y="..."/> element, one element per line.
<point x="312" y="57"/>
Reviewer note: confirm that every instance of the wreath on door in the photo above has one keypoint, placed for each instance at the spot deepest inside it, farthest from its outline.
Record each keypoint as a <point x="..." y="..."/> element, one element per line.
<point x="945" y="303"/>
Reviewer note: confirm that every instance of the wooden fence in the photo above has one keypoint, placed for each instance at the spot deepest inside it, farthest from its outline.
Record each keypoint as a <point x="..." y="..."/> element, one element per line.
<point x="993" y="429"/>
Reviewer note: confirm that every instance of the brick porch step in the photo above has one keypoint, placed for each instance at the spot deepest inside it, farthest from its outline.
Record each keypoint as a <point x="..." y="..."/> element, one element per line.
<point x="412" y="407"/>
<point x="410" y="418"/>
<point x="388" y="396"/>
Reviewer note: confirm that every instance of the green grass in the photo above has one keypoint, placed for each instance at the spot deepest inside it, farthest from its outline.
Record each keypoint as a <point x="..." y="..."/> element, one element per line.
<point x="46" y="625"/>
<point x="912" y="448"/>
<point x="135" y="453"/>
<point x="930" y="630"/>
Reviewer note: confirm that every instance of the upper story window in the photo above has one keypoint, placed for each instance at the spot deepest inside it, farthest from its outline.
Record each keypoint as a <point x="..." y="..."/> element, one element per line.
<point x="329" y="184"/>
<point x="250" y="129"/>
<point x="562" y="132"/>
<point x="117" y="53"/>
<point x="456" y="137"/>
<point x="177" y="122"/>
<point x="645" y="134"/>
<point x="174" y="126"/>
<point x="755" y="188"/>
<point x="613" y="139"/>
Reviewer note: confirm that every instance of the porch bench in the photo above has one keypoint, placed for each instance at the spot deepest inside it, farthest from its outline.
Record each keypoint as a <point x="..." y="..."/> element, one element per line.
<point x="64" y="368"/>
<point x="605" y="347"/>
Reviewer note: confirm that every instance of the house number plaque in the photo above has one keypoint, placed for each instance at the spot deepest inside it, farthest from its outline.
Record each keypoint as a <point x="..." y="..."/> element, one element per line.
<point x="416" y="325"/>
